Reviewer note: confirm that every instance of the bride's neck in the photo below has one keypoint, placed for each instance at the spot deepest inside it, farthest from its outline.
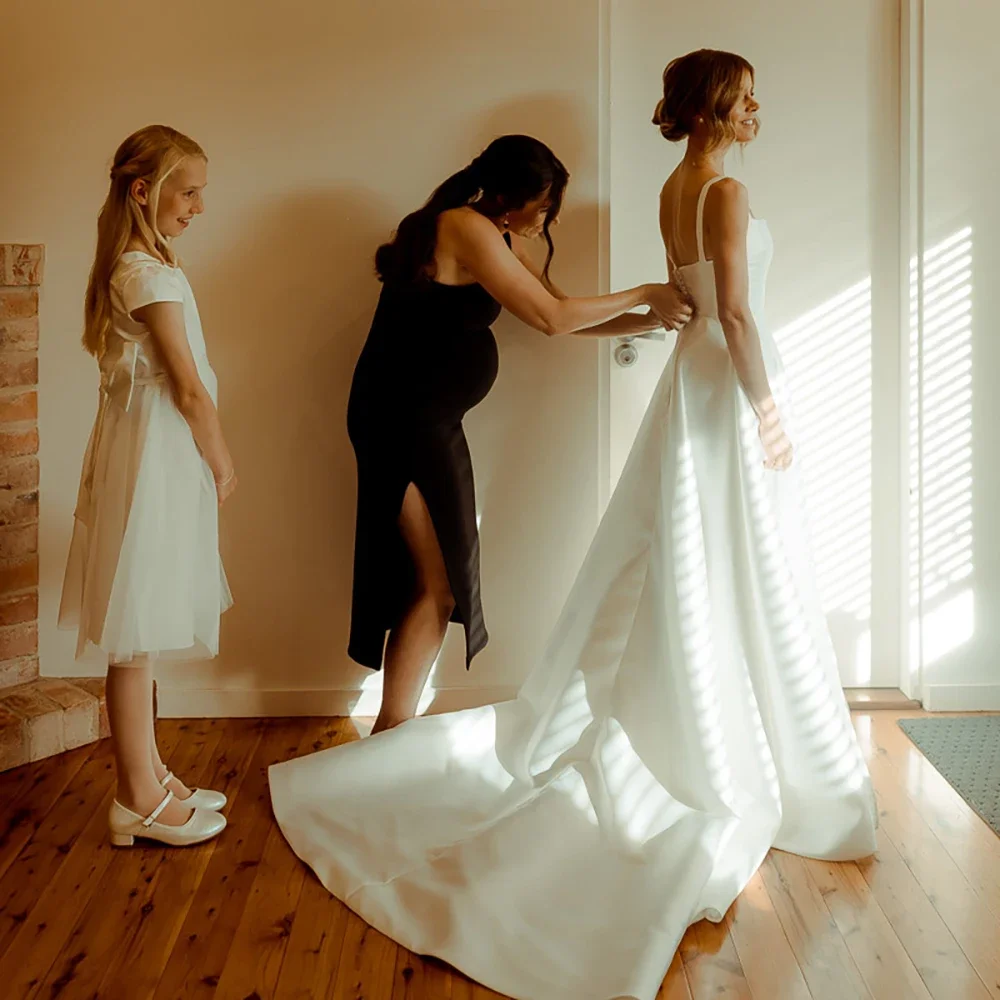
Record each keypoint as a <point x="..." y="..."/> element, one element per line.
<point x="698" y="157"/>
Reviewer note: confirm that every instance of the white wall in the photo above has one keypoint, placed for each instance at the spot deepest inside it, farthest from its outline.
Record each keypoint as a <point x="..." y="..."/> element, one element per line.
<point x="961" y="440"/>
<point x="323" y="125"/>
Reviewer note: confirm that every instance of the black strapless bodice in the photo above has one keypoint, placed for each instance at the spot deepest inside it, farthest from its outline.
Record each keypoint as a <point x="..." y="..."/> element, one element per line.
<point x="430" y="353"/>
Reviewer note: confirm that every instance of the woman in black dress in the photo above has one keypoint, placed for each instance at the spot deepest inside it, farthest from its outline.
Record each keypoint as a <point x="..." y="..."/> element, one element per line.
<point x="429" y="358"/>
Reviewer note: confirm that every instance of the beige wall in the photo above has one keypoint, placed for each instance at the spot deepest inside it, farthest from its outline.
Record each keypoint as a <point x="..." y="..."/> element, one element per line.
<point x="328" y="123"/>
<point x="324" y="123"/>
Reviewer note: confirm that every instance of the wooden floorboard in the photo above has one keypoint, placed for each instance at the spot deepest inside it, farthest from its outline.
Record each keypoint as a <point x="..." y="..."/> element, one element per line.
<point x="240" y="918"/>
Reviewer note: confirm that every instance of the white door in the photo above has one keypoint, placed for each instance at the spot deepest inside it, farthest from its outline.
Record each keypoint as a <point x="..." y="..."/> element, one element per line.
<point x="823" y="173"/>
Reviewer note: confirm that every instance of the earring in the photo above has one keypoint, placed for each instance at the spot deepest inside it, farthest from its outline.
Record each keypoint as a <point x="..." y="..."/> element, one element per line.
<point x="506" y="222"/>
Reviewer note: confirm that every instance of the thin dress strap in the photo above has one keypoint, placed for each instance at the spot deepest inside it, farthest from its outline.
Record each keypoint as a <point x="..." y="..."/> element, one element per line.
<point x="700" y="219"/>
<point x="675" y="228"/>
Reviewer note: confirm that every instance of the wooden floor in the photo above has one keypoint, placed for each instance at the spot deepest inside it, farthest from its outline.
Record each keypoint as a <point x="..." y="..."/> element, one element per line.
<point x="242" y="918"/>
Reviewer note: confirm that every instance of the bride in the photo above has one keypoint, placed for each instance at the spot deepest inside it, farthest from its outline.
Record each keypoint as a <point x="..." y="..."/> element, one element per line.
<point x="687" y="715"/>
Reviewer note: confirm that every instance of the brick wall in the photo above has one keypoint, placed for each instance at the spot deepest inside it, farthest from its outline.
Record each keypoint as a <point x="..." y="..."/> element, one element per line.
<point x="39" y="716"/>
<point x="20" y="275"/>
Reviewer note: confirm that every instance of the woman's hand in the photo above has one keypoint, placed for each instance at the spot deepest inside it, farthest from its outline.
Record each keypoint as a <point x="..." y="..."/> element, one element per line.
<point x="669" y="304"/>
<point x="649" y="322"/>
<point x="777" y="446"/>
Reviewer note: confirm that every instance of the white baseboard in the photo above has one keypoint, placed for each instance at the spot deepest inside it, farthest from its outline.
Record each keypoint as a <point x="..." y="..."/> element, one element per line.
<point x="222" y="703"/>
<point x="961" y="698"/>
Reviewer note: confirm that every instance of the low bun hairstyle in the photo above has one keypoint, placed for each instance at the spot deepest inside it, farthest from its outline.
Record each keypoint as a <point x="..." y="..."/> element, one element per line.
<point x="707" y="84"/>
<point x="510" y="172"/>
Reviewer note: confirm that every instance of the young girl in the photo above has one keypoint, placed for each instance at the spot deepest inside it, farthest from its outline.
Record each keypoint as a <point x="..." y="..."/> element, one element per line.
<point x="144" y="576"/>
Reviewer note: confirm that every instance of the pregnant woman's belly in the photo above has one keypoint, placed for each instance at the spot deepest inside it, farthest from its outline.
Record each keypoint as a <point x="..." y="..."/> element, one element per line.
<point x="436" y="382"/>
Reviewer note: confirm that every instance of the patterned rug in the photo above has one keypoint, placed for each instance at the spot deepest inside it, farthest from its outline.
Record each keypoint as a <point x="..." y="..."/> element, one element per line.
<point x="966" y="750"/>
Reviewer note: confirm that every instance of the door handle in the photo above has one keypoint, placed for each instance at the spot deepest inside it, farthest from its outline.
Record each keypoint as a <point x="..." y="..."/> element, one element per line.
<point x="626" y="352"/>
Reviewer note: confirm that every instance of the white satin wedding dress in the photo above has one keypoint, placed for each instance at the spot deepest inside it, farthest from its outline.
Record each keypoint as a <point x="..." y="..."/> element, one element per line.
<point x="686" y="717"/>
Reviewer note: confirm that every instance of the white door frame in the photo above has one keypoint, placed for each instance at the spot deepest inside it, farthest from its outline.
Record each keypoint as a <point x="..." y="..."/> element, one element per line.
<point x="912" y="248"/>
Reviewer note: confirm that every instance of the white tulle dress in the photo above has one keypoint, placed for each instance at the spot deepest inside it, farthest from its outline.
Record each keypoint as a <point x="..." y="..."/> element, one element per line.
<point x="144" y="575"/>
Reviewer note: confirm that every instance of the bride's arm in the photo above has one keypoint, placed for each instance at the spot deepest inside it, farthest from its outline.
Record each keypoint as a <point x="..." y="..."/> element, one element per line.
<point x="727" y="217"/>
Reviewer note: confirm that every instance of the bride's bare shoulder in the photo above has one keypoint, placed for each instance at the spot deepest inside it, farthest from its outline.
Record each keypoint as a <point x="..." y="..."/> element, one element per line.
<point x="728" y="197"/>
<point x="728" y="189"/>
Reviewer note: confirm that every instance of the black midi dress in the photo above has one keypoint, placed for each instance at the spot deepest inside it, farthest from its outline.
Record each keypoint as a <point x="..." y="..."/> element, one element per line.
<point x="429" y="358"/>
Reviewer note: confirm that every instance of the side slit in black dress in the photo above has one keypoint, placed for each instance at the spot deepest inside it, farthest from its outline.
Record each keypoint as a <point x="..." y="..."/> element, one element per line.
<point x="429" y="358"/>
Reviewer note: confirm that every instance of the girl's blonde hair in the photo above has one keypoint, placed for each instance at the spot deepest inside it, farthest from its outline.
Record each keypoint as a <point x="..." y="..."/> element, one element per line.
<point x="152" y="154"/>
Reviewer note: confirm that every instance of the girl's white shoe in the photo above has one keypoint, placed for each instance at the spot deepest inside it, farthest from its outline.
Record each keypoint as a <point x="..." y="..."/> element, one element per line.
<point x="125" y="825"/>
<point x="200" y="798"/>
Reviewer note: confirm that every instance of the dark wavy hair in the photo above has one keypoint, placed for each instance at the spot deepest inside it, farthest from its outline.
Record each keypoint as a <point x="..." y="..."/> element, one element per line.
<point x="510" y="172"/>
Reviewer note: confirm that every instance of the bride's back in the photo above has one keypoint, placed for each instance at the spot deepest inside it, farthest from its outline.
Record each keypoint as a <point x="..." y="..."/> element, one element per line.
<point x="679" y="215"/>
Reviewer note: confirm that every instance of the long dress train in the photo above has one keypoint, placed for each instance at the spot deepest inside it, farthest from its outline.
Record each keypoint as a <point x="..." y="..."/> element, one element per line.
<point x="687" y="716"/>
